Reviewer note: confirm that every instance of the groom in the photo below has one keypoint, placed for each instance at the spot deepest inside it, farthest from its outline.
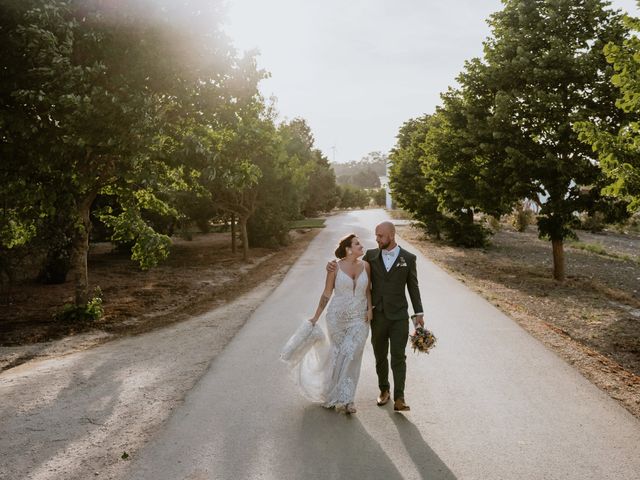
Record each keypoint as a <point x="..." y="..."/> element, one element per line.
<point x="392" y="270"/>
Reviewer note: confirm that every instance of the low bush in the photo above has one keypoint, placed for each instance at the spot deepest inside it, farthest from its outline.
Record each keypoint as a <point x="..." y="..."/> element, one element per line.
<point x="90" y="312"/>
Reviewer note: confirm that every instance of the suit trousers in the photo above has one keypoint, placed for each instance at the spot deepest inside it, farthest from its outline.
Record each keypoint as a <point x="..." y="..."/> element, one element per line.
<point x="387" y="333"/>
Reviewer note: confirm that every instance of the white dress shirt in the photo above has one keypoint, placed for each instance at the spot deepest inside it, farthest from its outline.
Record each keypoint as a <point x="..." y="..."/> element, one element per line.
<point x="389" y="257"/>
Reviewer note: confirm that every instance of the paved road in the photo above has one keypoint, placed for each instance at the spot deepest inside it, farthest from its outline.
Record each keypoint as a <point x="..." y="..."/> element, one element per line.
<point x="490" y="402"/>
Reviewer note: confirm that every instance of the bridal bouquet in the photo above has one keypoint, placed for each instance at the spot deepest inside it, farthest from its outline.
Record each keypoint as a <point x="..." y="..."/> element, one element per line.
<point x="422" y="340"/>
<point x="302" y="340"/>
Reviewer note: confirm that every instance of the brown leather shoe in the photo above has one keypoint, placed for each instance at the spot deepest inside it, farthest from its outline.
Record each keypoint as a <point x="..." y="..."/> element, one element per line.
<point x="400" y="406"/>
<point x="383" y="398"/>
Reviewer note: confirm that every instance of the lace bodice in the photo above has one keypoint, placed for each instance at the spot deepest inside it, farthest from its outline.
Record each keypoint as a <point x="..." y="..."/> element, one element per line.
<point x="345" y="286"/>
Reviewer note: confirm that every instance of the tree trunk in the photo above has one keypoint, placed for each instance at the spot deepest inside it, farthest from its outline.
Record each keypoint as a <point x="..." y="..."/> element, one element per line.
<point x="558" y="260"/>
<point x="233" y="233"/>
<point x="80" y="251"/>
<point x="245" y="238"/>
<point x="468" y="216"/>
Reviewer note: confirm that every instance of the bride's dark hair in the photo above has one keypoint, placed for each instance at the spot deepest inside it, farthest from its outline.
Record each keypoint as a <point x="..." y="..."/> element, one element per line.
<point x="345" y="243"/>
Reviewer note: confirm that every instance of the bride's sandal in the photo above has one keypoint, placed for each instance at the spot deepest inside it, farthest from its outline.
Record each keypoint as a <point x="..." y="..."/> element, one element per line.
<point x="350" y="408"/>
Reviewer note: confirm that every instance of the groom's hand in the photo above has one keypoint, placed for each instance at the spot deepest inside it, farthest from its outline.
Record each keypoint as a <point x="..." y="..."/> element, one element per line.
<point x="418" y="321"/>
<point x="332" y="266"/>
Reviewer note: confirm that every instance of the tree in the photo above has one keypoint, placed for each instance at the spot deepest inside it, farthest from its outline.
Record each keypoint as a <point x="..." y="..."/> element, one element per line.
<point x="80" y="118"/>
<point x="233" y="181"/>
<point x="119" y="102"/>
<point x="544" y="71"/>
<point x="379" y="197"/>
<point x="377" y="161"/>
<point x="366" y="179"/>
<point x="319" y="178"/>
<point x="364" y="173"/>
<point x="619" y="151"/>
<point x="322" y="194"/>
<point x="352" y="197"/>
<point x="281" y="193"/>
<point x="57" y="104"/>
<point x="406" y="179"/>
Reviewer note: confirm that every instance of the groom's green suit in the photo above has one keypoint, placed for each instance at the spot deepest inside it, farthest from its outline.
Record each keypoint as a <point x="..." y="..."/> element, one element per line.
<point x="390" y="324"/>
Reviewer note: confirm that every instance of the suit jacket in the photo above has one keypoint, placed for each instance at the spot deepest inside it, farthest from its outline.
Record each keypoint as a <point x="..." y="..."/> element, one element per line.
<point x="388" y="288"/>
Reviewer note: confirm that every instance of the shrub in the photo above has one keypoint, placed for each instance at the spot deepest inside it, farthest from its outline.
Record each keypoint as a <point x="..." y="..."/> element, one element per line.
<point x="84" y="313"/>
<point x="465" y="234"/>
<point x="592" y="222"/>
<point x="492" y="222"/>
<point x="268" y="228"/>
<point x="379" y="197"/>
<point x="352" y="197"/>
<point x="522" y="217"/>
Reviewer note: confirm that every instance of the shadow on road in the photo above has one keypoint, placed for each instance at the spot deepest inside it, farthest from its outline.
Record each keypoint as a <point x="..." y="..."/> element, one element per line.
<point x="425" y="459"/>
<point x="77" y="414"/>
<point x="331" y="445"/>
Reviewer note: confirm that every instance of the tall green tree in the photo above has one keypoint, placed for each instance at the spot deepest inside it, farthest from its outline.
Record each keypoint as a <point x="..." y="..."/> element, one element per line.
<point x="322" y="194"/>
<point x="233" y="181"/>
<point x="319" y="192"/>
<point x="308" y="168"/>
<point x="98" y="99"/>
<point x="544" y="71"/>
<point x="459" y="173"/>
<point x="619" y="151"/>
<point x="406" y="179"/>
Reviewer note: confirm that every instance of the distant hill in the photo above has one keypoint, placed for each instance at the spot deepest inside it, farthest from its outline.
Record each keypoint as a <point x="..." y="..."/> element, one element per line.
<point x="362" y="173"/>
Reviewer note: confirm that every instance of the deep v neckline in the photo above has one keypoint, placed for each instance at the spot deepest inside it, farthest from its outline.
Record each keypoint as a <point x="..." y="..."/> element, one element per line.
<point x="354" y="280"/>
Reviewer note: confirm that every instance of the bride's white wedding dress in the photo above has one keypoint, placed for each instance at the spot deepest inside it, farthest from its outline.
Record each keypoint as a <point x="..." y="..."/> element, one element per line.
<point x="329" y="373"/>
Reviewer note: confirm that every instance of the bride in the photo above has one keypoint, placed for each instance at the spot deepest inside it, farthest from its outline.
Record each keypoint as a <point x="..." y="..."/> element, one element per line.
<point x="329" y="374"/>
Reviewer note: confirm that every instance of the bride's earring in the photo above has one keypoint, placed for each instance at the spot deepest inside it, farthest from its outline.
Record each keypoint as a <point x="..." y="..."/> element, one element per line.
<point x="348" y="251"/>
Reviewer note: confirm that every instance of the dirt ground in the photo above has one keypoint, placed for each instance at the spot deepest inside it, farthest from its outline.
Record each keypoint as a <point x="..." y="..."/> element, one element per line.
<point x="592" y="320"/>
<point x="198" y="275"/>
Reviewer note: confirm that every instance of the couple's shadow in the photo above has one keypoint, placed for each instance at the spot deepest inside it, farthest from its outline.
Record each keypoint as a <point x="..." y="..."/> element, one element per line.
<point x="332" y="445"/>
<point x="424" y="458"/>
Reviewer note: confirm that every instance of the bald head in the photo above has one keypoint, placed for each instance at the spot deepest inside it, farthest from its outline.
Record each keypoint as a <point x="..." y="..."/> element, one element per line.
<point x="386" y="235"/>
<point x="387" y="227"/>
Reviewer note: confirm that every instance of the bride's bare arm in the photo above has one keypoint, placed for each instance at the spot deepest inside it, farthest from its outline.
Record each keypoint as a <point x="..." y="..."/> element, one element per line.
<point x="326" y="295"/>
<point x="369" y="303"/>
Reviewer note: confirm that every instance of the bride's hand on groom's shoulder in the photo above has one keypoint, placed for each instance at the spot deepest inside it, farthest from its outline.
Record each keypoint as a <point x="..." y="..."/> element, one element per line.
<point x="332" y="266"/>
<point x="313" y="321"/>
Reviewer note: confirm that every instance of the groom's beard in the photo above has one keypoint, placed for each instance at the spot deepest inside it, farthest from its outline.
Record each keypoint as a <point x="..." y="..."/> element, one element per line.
<point x="384" y="246"/>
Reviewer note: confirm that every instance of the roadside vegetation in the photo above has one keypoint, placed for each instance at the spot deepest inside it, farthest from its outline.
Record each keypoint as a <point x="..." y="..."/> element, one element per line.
<point x="168" y="141"/>
<point x="116" y="167"/>
<point x="543" y="125"/>
<point x="525" y="181"/>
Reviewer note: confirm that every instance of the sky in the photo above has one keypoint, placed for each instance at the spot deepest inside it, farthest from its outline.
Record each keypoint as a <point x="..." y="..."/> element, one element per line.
<point x="357" y="70"/>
